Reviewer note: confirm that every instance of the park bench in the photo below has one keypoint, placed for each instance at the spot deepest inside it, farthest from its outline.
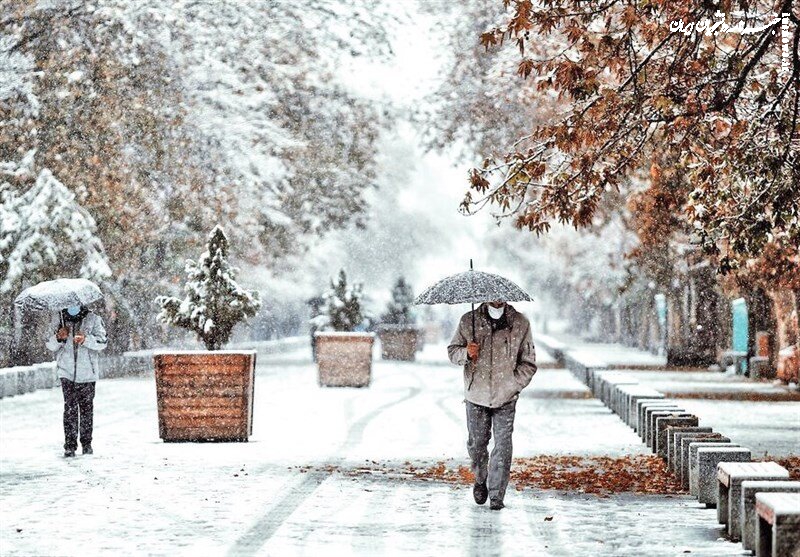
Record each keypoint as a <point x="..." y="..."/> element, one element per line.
<point x="708" y="458"/>
<point x="748" y="505"/>
<point x="674" y="443"/>
<point x="663" y="425"/>
<point x="688" y="461"/>
<point x="778" y="525"/>
<point x="730" y="476"/>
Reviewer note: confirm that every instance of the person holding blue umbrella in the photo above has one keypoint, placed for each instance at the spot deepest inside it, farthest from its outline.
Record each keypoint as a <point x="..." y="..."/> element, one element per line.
<point x="494" y="344"/>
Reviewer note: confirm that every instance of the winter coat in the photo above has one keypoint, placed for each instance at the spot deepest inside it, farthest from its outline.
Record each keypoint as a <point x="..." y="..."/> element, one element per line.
<point x="506" y="361"/>
<point x="86" y="368"/>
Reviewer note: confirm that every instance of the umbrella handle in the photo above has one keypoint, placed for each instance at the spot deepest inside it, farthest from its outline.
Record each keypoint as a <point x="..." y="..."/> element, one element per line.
<point x="473" y="322"/>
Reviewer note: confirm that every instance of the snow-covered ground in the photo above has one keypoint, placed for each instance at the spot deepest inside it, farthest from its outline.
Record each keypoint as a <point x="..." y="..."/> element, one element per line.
<point x="138" y="495"/>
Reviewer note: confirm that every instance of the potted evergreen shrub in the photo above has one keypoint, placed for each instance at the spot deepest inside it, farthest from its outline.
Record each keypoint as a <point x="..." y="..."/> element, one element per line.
<point x="343" y="347"/>
<point x="207" y="395"/>
<point x="400" y="338"/>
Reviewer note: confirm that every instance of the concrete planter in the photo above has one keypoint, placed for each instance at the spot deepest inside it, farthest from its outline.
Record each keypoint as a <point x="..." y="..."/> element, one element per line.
<point x="344" y="359"/>
<point x="205" y="396"/>
<point x="399" y="342"/>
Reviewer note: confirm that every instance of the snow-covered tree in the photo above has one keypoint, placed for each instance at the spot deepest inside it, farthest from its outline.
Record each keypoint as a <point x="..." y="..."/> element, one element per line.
<point x="142" y="107"/>
<point x="44" y="232"/>
<point x="343" y="309"/>
<point x="214" y="301"/>
<point x="398" y="311"/>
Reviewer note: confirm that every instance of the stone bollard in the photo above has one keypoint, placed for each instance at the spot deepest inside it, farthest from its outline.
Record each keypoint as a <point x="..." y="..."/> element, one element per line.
<point x="650" y="427"/>
<point x="747" y="505"/>
<point x="689" y="459"/>
<point x="707" y="460"/>
<point x="8" y="382"/>
<point x="674" y="444"/>
<point x="663" y="427"/>
<point x="666" y="429"/>
<point x="45" y="375"/>
<point x="635" y="394"/>
<point x="26" y="379"/>
<point x="644" y="406"/>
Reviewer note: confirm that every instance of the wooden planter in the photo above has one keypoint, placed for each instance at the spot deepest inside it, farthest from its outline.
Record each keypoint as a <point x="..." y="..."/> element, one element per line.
<point x="344" y="359"/>
<point x="205" y="396"/>
<point x="398" y="342"/>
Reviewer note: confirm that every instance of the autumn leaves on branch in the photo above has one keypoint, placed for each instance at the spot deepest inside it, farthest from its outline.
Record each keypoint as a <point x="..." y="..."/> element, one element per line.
<point x="714" y="108"/>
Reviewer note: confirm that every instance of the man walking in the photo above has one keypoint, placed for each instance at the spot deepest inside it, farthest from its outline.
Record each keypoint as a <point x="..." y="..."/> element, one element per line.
<point x="495" y="346"/>
<point x="77" y="337"/>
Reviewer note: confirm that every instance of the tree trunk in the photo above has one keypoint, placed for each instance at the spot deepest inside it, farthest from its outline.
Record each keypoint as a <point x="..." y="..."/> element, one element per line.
<point x="761" y="317"/>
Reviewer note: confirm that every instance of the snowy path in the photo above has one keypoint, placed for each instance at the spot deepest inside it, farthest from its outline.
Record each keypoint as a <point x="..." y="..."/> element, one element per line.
<point x="140" y="496"/>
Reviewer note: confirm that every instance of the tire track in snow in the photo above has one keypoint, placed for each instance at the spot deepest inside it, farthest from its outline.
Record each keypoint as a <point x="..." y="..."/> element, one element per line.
<point x="265" y="527"/>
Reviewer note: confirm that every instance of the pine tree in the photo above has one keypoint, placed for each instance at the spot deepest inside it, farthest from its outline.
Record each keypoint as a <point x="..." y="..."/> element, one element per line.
<point x="398" y="311"/>
<point x="214" y="302"/>
<point x="342" y="310"/>
<point x="44" y="231"/>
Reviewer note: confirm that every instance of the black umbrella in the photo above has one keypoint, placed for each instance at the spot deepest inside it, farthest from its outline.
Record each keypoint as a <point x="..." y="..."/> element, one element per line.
<point x="472" y="287"/>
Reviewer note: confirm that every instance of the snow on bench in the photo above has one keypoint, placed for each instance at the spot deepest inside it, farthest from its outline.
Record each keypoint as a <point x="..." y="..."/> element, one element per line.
<point x="778" y="526"/>
<point x="747" y="504"/>
<point x="730" y="476"/>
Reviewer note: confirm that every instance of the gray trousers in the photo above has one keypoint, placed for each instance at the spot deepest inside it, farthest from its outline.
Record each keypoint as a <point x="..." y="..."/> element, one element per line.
<point x="493" y="471"/>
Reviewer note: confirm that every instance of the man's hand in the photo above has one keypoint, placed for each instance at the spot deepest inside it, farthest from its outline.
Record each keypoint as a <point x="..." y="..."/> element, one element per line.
<point x="473" y="349"/>
<point x="62" y="334"/>
<point x="79" y="337"/>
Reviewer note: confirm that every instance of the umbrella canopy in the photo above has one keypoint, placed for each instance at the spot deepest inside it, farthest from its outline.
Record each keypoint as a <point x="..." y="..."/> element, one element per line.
<point x="55" y="295"/>
<point x="472" y="287"/>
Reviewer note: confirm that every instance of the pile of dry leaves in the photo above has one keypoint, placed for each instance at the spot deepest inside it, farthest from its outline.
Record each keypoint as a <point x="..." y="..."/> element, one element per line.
<point x="600" y="475"/>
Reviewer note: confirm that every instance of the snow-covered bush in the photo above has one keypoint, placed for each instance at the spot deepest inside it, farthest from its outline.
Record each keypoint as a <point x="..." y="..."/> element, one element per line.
<point x="398" y="311"/>
<point x="214" y="302"/>
<point x="342" y="310"/>
<point x="44" y="232"/>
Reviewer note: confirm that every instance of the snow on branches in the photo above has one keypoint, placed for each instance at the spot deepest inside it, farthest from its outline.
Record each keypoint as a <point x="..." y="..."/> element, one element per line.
<point x="343" y="307"/>
<point x="44" y="232"/>
<point x="214" y="302"/>
<point x="398" y="311"/>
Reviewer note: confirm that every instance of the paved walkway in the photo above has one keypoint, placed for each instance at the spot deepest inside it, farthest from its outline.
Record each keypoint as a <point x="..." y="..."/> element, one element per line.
<point x="140" y="496"/>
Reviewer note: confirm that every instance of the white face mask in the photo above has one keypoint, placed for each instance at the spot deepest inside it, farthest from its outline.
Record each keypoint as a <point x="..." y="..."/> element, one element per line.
<point x="496" y="313"/>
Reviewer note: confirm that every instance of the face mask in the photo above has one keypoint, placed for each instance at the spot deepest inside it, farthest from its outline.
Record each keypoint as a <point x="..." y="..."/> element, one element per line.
<point x="496" y="313"/>
<point x="74" y="310"/>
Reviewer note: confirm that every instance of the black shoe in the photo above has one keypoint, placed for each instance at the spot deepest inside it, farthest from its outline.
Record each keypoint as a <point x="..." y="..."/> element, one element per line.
<point x="480" y="493"/>
<point x="87" y="449"/>
<point x="69" y="454"/>
<point x="496" y="504"/>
